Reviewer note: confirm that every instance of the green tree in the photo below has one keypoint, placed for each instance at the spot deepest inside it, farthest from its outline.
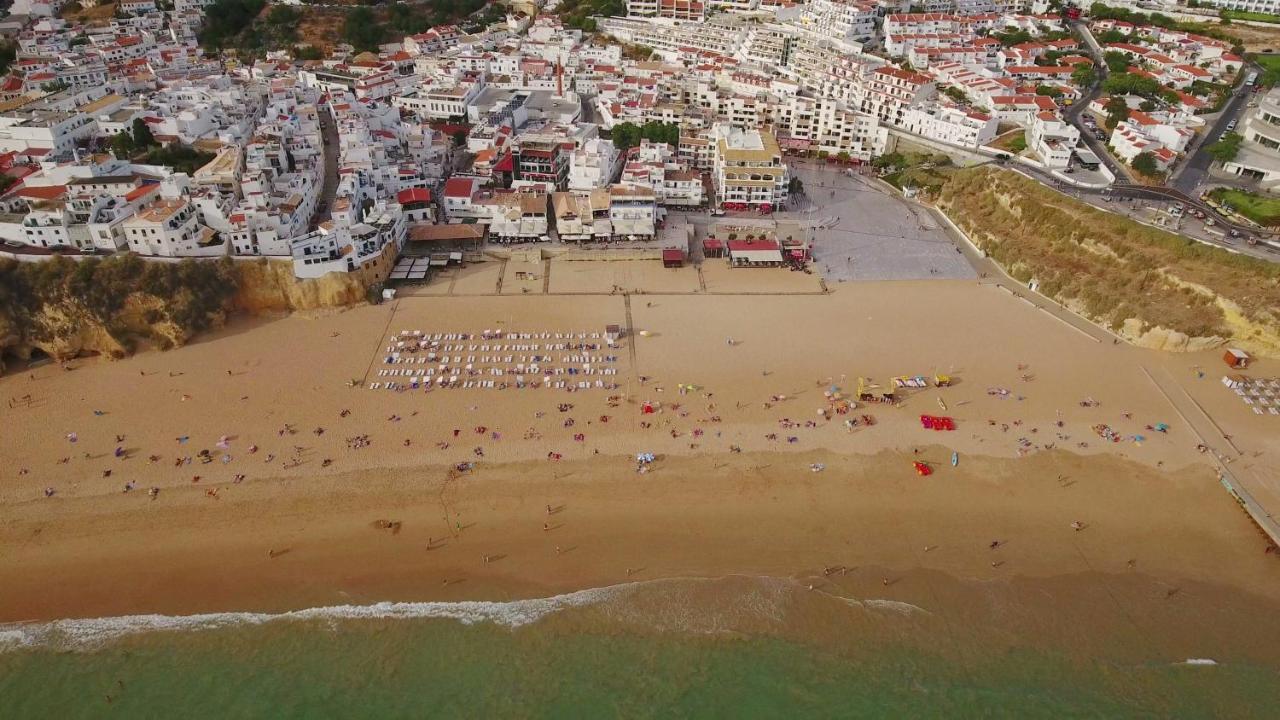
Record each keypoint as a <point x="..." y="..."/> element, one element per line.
<point x="1016" y="37"/>
<point x="660" y="132"/>
<point x="1084" y="75"/>
<point x="1107" y="37"/>
<point x="1147" y="105"/>
<point x="1130" y="84"/>
<point x="8" y="53"/>
<point x="1227" y="147"/>
<point x="225" y="20"/>
<point x="363" y="30"/>
<point x="1117" y="62"/>
<point x="956" y="94"/>
<point x="1117" y="110"/>
<point x="1145" y="163"/>
<point x="122" y="145"/>
<point x="307" y="52"/>
<point x="626" y="135"/>
<point x="283" y="15"/>
<point x="142" y="136"/>
<point x="1048" y="91"/>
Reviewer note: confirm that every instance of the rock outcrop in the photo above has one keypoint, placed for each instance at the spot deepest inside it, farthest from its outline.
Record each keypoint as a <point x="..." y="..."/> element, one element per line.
<point x="155" y="306"/>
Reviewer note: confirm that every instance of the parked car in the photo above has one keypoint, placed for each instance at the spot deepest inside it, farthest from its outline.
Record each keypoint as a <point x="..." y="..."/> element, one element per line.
<point x="1231" y="126"/>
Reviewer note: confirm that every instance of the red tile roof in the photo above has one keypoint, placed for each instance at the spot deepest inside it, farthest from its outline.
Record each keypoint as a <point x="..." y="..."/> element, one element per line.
<point x="413" y="195"/>
<point x="458" y="187"/>
<point x="141" y="191"/>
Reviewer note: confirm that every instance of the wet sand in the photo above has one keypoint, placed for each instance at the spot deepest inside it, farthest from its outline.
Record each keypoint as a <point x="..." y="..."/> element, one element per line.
<point x="93" y="550"/>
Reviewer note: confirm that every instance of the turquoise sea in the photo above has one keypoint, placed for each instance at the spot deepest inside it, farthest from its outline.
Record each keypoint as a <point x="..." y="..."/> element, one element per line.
<point x="752" y="648"/>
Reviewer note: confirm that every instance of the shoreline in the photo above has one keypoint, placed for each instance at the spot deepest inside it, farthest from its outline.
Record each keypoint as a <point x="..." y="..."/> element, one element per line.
<point x="260" y="548"/>
<point x="732" y="492"/>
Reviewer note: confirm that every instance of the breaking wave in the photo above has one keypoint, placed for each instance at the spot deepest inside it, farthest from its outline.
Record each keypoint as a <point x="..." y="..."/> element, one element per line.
<point x="89" y="633"/>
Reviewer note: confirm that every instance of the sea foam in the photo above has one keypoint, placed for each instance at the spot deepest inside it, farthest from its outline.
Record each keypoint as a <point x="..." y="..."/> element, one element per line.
<point x="94" y="632"/>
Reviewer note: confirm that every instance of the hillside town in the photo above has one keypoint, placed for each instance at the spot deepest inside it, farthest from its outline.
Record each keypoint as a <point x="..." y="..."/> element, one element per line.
<point x="124" y="135"/>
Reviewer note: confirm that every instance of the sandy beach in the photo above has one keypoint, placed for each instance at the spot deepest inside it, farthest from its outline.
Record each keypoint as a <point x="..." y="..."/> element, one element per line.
<point x="733" y="492"/>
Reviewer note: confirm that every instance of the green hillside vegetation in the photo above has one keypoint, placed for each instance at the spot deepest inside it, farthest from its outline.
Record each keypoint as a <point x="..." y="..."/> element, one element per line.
<point x="1261" y="209"/>
<point x="1112" y="269"/>
<point x="128" y="297"/>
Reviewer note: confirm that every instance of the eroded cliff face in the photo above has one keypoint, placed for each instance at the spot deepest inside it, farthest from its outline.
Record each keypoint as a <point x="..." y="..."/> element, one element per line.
<point x="269" y="286"/>
<point x="1153" y="288"/>
<point x="66" y="329"/>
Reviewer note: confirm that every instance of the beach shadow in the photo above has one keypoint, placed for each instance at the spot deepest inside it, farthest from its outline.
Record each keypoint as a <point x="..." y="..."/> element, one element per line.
<point x="557" y="509"/>
<point x="567" y="550"/>
<point x="273" y="554"/>
<point x="635" y="571"/>
<point x="436" y="544"/>
<point x="489" y="559"/>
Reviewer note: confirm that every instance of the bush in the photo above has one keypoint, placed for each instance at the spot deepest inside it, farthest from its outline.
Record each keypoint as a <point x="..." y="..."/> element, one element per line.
<point x="1112" y="267"/>
<point x="189" y="294"/>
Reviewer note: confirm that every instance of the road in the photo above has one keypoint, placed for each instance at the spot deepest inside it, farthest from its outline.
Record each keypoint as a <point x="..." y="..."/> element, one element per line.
<point x="1194" y="170"/>
<point x="1125" y="201"/>
<point x="1073" y="113"/>
<point x="329" y="137"/>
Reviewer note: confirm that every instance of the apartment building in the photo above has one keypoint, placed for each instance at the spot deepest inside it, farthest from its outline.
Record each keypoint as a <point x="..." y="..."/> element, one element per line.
<point x="1259" y="155"/>
<point x="1052" y="139"/>
<point x="816" y="124"/>
<point x="171" y="228"/>
<point x="952" y="125"/>
<point x="889" y="92"/>
<point x="847" y="20"/>
<point x="748" y="169"/>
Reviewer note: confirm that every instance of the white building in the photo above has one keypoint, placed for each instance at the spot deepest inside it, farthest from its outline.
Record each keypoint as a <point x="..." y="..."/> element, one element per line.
<point x="748" y="169"/>
<point x="1052" y="139"/>
<point x="952" y="125"/>
<point x="594" y="164"/>
<point x="170" y="228"/>
<point x="1259" y="155"/>
<point x="1269" y="7"/>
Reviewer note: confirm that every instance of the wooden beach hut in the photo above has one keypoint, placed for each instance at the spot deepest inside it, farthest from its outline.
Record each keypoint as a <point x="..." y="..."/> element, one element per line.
<point x="1236" y="358"/>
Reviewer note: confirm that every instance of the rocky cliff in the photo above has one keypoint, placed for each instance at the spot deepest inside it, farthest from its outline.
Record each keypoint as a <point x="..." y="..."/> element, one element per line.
<point x="1154" y="288"/>
<point x="113" y="307"/>
<point x="268" y="286"/>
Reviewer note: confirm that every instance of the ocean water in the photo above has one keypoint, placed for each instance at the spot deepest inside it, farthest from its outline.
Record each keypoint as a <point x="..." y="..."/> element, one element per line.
<point x="740" y="648"/>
